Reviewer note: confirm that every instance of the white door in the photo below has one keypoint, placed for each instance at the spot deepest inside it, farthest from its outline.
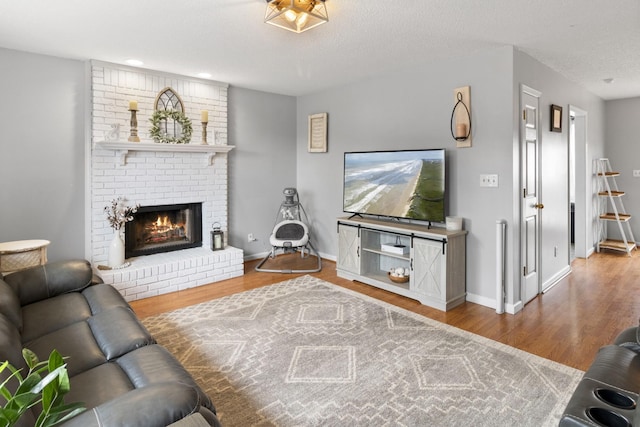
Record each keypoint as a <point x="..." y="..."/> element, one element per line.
<point x="531" y="203"/>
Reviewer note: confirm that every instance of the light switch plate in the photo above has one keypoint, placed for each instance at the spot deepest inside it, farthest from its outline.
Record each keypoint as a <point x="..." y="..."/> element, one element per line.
<point x="488" y="180"/>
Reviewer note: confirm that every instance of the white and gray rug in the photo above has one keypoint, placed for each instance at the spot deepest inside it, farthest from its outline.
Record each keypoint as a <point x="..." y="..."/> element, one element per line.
<point x="305" y="352"/>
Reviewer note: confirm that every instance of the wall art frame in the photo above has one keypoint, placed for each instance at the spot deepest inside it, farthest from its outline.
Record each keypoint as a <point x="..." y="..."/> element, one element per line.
<point x="556" y="118"/>
<point x="318" y="133"/>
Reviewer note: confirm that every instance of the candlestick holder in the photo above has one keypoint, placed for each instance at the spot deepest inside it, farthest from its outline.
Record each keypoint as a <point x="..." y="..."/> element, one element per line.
<point x="204" y="133"/>
<point x="134" y="127"/>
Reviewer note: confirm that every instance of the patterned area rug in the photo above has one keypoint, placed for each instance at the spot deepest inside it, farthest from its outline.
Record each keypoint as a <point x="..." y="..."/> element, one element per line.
<point x="305" y="352"/>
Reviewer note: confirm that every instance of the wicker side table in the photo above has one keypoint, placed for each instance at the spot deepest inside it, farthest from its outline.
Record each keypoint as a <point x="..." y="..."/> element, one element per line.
<point x="22" y="254"/>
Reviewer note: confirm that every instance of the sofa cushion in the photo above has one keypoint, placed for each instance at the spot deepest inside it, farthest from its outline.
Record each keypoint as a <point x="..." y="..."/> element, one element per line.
<point x="46" y="281"/>
<point x="103" y="297"/>
<point x="98" y="385"/>
<point x="154" y="364"/>
<point x="10" y="344"/>
<point x="10" y="304"/>
<point x="629" y="338"/>
<point x="155" y="405"/>
<point x="46" y="316"/>
<point x="616" y="366"/>
<point x="74" y="342"/>
<point x="118" y="331"/>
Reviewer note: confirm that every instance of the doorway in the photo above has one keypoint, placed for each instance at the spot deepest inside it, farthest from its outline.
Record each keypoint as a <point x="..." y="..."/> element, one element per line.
<point x="579" y="178"/>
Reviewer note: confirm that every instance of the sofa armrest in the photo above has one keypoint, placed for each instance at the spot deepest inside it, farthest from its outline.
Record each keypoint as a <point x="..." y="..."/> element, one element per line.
<point x="46" y="281"/>
<point x="157" y="405"/>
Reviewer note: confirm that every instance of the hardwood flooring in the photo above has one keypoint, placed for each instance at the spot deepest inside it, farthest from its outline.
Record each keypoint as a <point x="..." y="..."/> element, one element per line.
<point x="568" y="324"/>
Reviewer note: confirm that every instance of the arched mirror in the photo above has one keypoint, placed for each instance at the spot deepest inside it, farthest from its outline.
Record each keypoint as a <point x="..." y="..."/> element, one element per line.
<point x="169" y="124"/>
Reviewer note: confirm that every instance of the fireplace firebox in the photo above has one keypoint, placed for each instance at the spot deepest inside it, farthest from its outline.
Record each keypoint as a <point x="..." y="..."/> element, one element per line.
<point x="164" y="228"/>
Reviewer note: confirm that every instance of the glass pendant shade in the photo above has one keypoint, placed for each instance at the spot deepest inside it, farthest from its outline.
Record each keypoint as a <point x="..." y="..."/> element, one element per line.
<point x="296" y="15"/>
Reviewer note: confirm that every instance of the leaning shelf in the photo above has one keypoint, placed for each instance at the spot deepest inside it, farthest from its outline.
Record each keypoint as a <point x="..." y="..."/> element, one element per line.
<point x="617" y="245"/>
<point x="611" y="209"/>
<point x="611" y="216"/>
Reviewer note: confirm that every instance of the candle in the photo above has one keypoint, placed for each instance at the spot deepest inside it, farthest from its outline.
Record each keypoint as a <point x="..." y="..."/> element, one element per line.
<point x="461" y="130"/>
<point x="204" y="116"/>
<point x="133" y="105"/>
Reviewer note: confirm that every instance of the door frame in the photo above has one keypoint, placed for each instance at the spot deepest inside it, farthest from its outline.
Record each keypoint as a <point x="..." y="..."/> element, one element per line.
<point x="582" y="178"/>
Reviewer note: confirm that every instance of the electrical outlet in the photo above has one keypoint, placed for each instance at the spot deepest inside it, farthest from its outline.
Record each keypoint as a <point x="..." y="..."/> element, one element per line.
<point x="488" y="180"/>
<point x="251" y="238"/>
<point x="636" y="173"/>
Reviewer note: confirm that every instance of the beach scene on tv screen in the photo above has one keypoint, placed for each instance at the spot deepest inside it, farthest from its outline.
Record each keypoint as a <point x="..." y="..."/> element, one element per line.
<point x="404" y="184"/>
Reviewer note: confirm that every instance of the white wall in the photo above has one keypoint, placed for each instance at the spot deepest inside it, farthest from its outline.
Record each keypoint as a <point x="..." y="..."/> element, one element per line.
<point x="42" y="151"/>
<point x="623" y="151"/>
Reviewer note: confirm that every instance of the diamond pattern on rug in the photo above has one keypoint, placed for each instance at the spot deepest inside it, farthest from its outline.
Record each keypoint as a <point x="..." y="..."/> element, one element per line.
<point x="321" y="313"/>
<point x="396" y="320"/>
<point x="305" y="352"/>
<point x="322" y="364"/>
<point x="226" y="352"/>
<point x="450" y="372"/>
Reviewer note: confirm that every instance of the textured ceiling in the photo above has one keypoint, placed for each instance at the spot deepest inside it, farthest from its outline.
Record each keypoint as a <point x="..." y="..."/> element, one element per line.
<point x="585" y="40"/>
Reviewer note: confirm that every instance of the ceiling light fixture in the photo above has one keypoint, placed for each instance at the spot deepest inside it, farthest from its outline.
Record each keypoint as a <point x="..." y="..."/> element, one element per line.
<point x="296" y="15"/>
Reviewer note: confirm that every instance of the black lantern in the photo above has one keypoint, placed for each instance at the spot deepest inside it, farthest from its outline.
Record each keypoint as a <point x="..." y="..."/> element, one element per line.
<point x="217" y="237"/>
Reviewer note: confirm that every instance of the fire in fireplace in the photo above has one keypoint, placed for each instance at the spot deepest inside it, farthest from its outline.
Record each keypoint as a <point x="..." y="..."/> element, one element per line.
<point x="165" y="228"/>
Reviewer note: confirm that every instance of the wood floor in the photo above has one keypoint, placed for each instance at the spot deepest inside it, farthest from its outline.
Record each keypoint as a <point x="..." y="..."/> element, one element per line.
<point x="568" y="324"/>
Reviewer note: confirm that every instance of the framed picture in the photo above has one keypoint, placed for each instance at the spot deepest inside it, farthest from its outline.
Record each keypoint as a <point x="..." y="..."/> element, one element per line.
<point x="556" y="118"/>
<point x="318" y="133"/>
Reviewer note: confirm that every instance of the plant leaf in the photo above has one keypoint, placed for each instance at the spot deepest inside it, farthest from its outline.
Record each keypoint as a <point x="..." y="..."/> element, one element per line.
<point x="30" y="357"/>
<point x="58" y="416"/>
<point x="51" y="376"/>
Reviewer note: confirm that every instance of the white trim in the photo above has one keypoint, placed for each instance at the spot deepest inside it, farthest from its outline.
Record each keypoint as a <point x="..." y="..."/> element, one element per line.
<point x="122" y="149"/>
<point x="513" y="308"/>
<point x="546" y="286"/>
<point x="479" y="299"/>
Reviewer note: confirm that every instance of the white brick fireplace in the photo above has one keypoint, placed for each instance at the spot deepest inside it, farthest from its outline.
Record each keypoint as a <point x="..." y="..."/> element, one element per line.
<point x="148" y="173"/>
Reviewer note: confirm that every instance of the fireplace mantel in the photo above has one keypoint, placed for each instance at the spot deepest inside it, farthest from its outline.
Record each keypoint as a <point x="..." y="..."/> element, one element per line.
<point x="122" y="149"/>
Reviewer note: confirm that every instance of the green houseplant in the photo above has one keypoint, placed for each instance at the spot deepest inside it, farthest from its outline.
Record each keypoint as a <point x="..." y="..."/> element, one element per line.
<point x="46" y="383"/>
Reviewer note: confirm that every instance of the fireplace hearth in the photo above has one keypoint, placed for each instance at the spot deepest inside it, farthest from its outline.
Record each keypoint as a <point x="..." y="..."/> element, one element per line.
<point x="164" y="228"/>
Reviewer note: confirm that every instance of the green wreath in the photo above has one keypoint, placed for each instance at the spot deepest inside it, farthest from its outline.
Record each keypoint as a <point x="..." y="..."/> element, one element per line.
<point x="157" y="134"/>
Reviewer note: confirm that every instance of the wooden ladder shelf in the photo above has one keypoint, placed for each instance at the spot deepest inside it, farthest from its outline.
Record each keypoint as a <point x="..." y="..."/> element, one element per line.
<point x="611" y="209"/>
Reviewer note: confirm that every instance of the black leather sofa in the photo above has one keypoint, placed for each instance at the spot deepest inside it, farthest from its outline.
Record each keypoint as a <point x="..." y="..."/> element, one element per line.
<point x="119" y="372"/>
<point x="608" y="393"/>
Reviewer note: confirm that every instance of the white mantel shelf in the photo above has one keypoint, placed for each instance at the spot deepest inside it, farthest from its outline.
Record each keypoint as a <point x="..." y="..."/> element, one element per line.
<point x="123" y="148"/>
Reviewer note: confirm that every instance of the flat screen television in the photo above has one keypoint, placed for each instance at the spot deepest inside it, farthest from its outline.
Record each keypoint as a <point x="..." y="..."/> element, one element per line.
<point x="408" y="184"/>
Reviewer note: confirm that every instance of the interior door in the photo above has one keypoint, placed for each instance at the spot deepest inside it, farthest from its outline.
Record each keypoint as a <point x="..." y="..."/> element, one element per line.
<point x="531" y="203"/>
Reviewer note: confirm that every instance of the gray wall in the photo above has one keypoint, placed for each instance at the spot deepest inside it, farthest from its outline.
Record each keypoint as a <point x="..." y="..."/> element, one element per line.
<point x="262" y="126"/>
<point x="623" y="151"/>
<point x="405" y="110"/>
<point x="554" y="157"/>
<point x="412" y="110"/>
<point x="42" y="151"/>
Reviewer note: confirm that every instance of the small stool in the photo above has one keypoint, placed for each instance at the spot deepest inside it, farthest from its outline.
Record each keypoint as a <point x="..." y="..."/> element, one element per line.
<point x="22" y="254"/>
